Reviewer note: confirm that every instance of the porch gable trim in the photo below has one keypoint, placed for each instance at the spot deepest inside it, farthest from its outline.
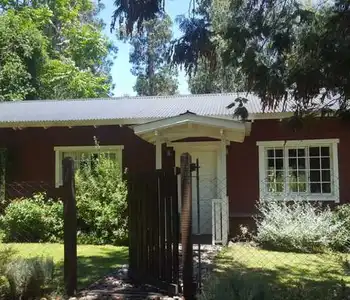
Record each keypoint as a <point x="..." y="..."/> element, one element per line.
<point x="188" y="118"/>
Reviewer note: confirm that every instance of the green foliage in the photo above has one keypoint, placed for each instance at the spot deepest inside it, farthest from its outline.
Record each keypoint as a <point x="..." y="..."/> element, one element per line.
<point x="101" y="203"/>
<point x="297" y="226"/>
<point x="29" y="277"/>
<point x="51" y="49"/>
<point x="281" y="49"/>
<point x="342" y="215"/>
<point x="130" y="12"/>
<point x="232" y="285"/>
<point x="6" y="255"/>
<point x="33" y="220"/>
<point x="207" y="80"/>
<point x="23" y="52"/>
<point x="63" y="80"/>
<point x="149" y="60"/>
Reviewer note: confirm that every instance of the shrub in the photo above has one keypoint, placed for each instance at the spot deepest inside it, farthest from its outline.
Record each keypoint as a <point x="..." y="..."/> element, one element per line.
<point x="33" y="220"/>
<point x="233" y="285"/>
<point x="28" y="278"/>
<point x="297" y="226"/>
<point x="6" y="255"/>
<point x="342" y="214"/>
<point x="101" y="203"/>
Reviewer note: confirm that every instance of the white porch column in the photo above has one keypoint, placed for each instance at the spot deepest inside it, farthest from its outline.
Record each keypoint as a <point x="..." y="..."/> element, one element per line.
<point x="223" y="195"/>
<point x="158" y="151"/>
<point x="223" y="167"/>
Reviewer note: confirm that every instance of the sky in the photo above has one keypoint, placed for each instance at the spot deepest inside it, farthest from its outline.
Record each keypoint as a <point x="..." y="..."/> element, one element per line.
<point x="122" y="77"/>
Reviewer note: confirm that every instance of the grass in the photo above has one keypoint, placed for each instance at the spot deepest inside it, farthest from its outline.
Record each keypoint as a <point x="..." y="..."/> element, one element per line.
<point x="93" y="261"/>
<point x="285" y="272"/>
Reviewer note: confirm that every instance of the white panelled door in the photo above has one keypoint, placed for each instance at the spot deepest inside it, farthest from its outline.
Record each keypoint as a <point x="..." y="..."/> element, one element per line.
<point x="207" y="190"/>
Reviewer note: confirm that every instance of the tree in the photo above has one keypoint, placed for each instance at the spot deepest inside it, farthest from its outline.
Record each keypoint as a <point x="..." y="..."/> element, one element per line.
<point x="60" y="51"/>
<point x="208" y="80"/>
<point x="283" y="49"/>
<point x="23" y="53"/>
<point x="154" y="76"/>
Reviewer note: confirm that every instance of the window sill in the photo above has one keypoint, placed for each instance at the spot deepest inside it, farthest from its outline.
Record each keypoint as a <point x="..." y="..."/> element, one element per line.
<point x="316" y="198"/>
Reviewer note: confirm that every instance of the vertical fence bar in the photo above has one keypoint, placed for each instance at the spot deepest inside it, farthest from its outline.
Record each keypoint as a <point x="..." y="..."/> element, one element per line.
<point x="157" y="223"/>
<point x="131" y="226"/>
<point x="70" y="227"/>
<point x="199" y="274"/>
<point x="186" y="227"/>
<point x="176" y="227"/>
<point x="169" y="233"/>
<point x="143" y="201"/>
<point x="162" y="224"/>
<point x="153" y="225"/>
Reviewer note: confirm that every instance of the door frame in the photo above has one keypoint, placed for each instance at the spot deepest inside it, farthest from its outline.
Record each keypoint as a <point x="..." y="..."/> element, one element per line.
<point x="220" y="148"/>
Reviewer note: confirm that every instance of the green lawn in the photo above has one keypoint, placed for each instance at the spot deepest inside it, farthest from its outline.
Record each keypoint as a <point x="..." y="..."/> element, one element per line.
<point x="93" y="261"/>
<point x="280" y="270"/>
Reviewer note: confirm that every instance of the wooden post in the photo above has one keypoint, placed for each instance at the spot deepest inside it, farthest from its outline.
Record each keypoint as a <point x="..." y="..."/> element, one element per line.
<point x="186" y="227"/>
<point x="70" y="228"/>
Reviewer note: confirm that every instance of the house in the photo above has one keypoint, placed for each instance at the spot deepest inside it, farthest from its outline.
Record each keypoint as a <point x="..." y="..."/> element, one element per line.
<point x="240" y="162"/>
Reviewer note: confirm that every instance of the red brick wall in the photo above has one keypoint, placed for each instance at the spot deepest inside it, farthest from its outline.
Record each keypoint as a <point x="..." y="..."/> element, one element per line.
<point x="243" y="162"/>
<point x="32" y="156"/>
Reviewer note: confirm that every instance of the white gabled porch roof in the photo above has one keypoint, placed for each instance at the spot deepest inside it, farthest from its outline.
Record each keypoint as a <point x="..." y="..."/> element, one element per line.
<point x="191" y="125"/>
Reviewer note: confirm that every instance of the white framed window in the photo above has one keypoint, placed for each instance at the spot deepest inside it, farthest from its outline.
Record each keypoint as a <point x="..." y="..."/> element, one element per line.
<point x="84" y="155"/>
<point x="307" y="169"/>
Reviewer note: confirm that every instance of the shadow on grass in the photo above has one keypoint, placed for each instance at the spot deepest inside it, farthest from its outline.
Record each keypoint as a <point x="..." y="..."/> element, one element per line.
<point x="93" y="267"/>
<point x="310" y="279"/>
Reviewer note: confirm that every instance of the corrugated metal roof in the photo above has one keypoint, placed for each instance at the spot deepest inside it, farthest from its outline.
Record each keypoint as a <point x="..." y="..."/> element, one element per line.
<point x="124" y="108"/>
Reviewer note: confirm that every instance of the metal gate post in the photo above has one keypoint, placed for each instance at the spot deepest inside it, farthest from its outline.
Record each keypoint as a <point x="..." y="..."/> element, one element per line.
<point x="70" y="227"/>
<point x="186" y="227"/>
<point x="199" y="274"/>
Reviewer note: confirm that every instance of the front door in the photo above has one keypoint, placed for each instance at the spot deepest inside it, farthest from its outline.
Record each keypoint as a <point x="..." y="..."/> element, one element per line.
<point x="207" y="191"/>
<point x="207" y="188"/>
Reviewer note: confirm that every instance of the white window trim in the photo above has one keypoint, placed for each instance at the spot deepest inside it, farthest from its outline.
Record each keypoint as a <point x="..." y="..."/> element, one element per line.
<point x="60" y="149"/>
<point x="333" y="143"/>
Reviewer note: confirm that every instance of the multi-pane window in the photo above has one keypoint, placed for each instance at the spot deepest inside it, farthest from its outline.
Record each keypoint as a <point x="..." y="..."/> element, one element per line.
<point x="84" y="156"/>
<point x="298" y="168"/>
<point x="87" y="159"/>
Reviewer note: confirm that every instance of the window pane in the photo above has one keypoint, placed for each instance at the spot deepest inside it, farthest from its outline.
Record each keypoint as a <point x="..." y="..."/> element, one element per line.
<point x="270" y="153"/>
<point x="326" y="175"/>
<point x="315" y="187"/>
<point x="279" y="187"/>
<point x="325" y="162"/>
<point x="279" y="163"/>
<point x="325" y="151"/>
<point x="301" y="163"/>
<point x="315" y="163"/>
<point x="293" y="187"/>
<point x="302" y="176"/>
<point x="315" y="176"/>
<point x="279" y="176"/>
<point x="271" y="173"/>
<point x="271" y="187"/>
<point x="293" y="163"/>
<point x="271" y="163"/>
<point x="292" y="152"/>
<point x="279" y="152"/>
<point x="302" y="187"/>
<point x="112" y="156"/>
<point x="301" y="152"/>
<point x="326" y="187"/>
<point x="314" y="151"/>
